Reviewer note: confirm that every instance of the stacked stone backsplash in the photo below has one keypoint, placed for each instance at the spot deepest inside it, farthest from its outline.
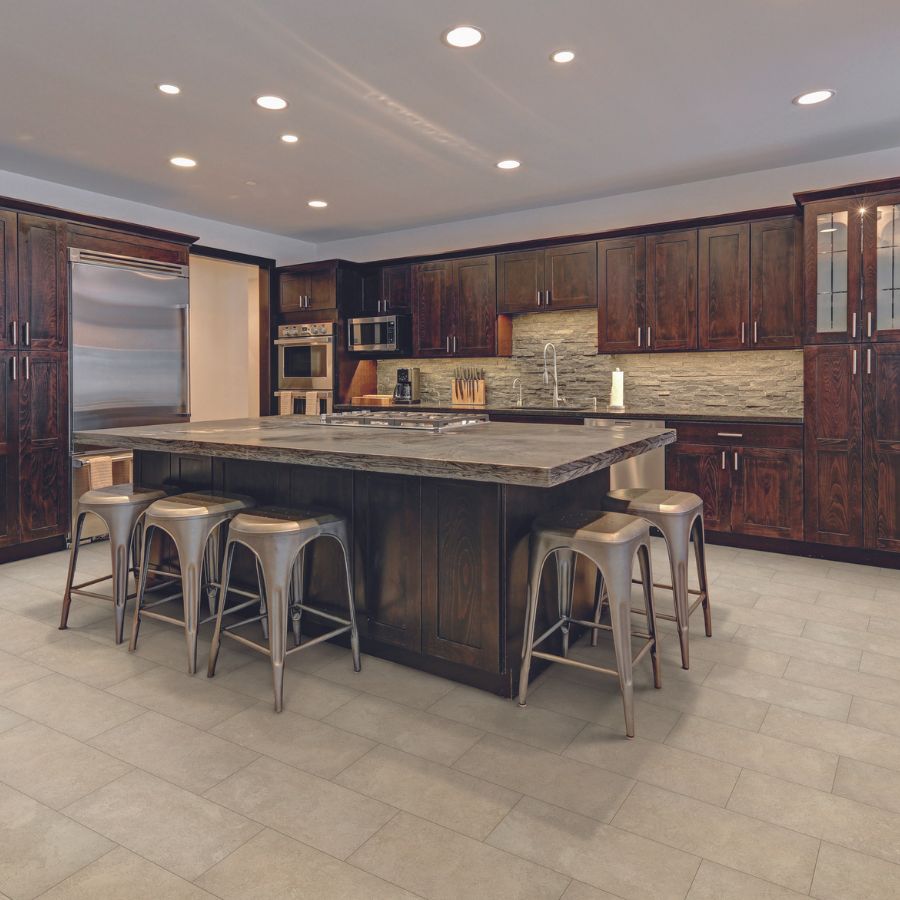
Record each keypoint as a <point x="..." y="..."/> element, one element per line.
<point x="758" y="381"/>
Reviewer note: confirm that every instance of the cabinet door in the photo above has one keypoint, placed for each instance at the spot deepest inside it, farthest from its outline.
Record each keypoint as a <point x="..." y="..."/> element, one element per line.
<point x="767" y="492"/>
<point x="475" y="288"/>
<point x="881" y="280"/>
<point x="520" y="281"/>
<point x="832" y="265"/>
<point x="9" y="447"/>
<point x="43" y="282"/>
<point x="832" y="445"/>
<point x="776" y="305"/>
<point x="724" y="288"/>
<point x="370" y="303"/>
<point x="461" y="587"/>
<point x="292" y="289"/>
<point x="672" y="291"/>
<point x="387" y="526"/>
<point x="570" y="276"/>
<point x="322" y="291"/>
<point x="620" y="320"/>
<point x="396" y="292"/>
<point x="44" y="444"/>
<point x="881" y="444"/>
<point x="702" y="469"/>
<point x="432" y="307"/>
<point x="9" y="289"/>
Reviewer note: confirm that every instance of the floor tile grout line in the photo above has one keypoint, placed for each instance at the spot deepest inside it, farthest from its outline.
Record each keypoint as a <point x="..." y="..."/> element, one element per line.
<point x="56" y="884"/>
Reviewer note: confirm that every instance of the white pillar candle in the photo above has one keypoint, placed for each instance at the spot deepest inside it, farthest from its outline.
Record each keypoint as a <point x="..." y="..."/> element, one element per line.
<point x="617" y="392"/>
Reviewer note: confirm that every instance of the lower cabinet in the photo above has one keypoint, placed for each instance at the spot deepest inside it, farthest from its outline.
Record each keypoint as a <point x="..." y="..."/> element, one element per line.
<point x="9" y="448"/>
<point x="750" y="476"/>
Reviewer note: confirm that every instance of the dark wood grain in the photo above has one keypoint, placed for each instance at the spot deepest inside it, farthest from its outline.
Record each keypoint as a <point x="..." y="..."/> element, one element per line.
<point x="739" y="434"/>
<point x="9" y="289"/>
<point x="776" y="301"/>
<point x="702" y="469"/>
<point x="396" y="289"/>
<point x="86" y="237"/>
<point x="520" y="281"/>
<point x="880" y="330"/>
<point x="570" y="276"/>
<point x="475" y="317"/>
<point x="672" y="290"/>
<point x="433" y="307"/>
<point x="724" y="287"/>
<point x="767" y="492"/>
<point x="833" y="451"/>
<point x="9" y="449"/>
<point x="43" y="282"/>
<point x="622" y="280"/>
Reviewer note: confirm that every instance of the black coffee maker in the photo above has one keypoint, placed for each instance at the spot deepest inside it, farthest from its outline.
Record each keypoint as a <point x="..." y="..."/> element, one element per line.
<point x="407" y="389"/>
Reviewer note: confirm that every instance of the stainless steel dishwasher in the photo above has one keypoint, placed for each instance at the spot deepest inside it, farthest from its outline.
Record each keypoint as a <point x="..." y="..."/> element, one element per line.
<point x="647" y="470"/>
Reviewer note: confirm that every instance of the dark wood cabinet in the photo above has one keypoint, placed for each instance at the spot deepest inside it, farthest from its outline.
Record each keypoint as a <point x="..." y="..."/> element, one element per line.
<point x="750" y="476"/>
<point x="43" y="283"/>
<point x="880" y="320"/>
<point x="455" y="307"/>
<point x="563" y="277"/>
<point x="321" y="287"/>
<point x="386" y="290"/>
<point x="9" y="448"/>
<point x="9" y="291"/>
<point x="776" y="302"/>
<point x="672" y="291"/>
<point x="622" y="281"/>
<point x="44" y="444"/>
<point x="724" y="286"/>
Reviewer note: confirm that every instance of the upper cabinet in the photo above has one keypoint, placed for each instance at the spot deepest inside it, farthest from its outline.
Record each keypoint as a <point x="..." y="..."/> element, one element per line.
<point x="386" y="290"/>
<point x="555" y="278"/>
<point x="622" y="270"/>
<point x="852" y="259"/>
<point x="43" y="283"/>
<point x="322" y="287"/>
<point x="9" y="292"/>
<point x="455" y="307"/>
<point x="749" y="291"/>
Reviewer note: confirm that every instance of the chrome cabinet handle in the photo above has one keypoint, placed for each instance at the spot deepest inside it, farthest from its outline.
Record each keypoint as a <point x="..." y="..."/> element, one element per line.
<point x="454" y="343"/>
<point x="26" y="340"/>
<point x="15" y="369"/>
<point x="539" y="298"/>
<point x="755" y="332"/>
<point x="868" y="361"/>
<point x="27" y="369"/>
<point x="736" y="434"/>
<point x="648" y="337"/>
<point x="723" y="460"/>
<point x="735" y="461"/>
<point x="547" y="297"/>
<point x="869" y="325"/>
<point x="853" y="327"/>
<point x="742" y="332"/>
<point x="14" y="332"/>
<point x="448" y="343"/>
<point x="639" y="335"/>
<point x="854" y="362"/>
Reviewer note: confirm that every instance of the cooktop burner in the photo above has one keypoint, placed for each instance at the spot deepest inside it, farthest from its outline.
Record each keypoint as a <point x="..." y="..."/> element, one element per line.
<point x="435" y="422"/>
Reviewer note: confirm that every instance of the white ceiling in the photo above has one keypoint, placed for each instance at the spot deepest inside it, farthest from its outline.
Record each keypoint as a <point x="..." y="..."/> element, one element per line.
<point x="398" y="130"/>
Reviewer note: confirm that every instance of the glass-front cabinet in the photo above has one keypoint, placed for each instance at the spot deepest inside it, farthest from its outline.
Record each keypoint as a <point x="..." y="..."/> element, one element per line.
<point x="852" y="269"/>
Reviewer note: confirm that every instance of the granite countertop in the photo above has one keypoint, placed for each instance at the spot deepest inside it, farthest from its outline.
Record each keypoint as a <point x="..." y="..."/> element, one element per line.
<point x="569" y="412"/>
<point x="504" y="452"/>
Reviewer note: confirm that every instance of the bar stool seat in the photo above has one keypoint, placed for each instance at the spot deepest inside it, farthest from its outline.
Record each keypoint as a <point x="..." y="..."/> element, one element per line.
<point x="679" y="517"/>
<point x="193" y="521"/>
<point x="120" y="507"/>
<point x="610" y="541"/>
<point x="278" y="538"/>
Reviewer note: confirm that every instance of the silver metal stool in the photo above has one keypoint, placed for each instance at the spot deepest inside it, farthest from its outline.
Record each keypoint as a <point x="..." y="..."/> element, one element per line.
<point x="679" y="516"/>
<point x="192" y="520"/>
<point x="278" y="538"/>
<point x="610" y="541"/>
<point x="120" y="507"/>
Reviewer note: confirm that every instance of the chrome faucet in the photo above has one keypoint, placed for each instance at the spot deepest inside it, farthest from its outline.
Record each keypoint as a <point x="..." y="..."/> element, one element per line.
<point x="556" y="398"/>
<point x="518" y="381"/>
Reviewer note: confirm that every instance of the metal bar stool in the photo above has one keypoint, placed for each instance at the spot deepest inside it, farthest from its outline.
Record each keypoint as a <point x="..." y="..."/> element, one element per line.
<point x="120" y="507"/>
<point x="679" y="516"/>
<point x="192" y="521"/>
<point x="610" y="541"/>
<point x="278" y="539"/>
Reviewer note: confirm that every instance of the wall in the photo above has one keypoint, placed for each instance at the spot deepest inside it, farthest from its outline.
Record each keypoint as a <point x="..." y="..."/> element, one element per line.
<point x="752" y="190"/>
<point x="212" y="234"/>
<point x="769" y="381"/>
<point x="224" y="340"/>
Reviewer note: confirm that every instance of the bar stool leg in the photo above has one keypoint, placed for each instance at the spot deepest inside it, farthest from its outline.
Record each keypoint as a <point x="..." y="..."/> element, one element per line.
<point x="277" y="590"/>
<point x="700" y="558"/>
<point x="70" y="578"/>
<point x="354" y="633"/>
<point x="146" y="539"/>
<point x="223" y="594"/>
<point x="298" y="594"/>
<point x="119" y="550"/>
<point x="538" y="556"/>
<point x="619" y="591"/>
<point x="677" y="544"/>
<point x="647" y="584"/>
<point x="191" y="583"/>
<point x="565" y="587"/>
<point x="599" y="597"/>
<point x="263" y="608"/>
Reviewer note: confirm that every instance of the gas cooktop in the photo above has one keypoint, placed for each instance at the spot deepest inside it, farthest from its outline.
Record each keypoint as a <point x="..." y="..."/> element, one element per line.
<point x="434" y="422"/>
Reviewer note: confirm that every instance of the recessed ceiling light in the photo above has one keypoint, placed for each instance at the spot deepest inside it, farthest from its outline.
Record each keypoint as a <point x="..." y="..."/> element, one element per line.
<point x="812" y="97"/>
<point x="317" y="204"/>
<point x="463" y="36"/>
<point x="169" y="88"/>
<point x="562" y="56"/>
<point x="290" y="138"/>
<point x="183" y="162"/>
<point x="508" y="164"/>
<point x="270" y="102"/>
<point x="250" y="183"/>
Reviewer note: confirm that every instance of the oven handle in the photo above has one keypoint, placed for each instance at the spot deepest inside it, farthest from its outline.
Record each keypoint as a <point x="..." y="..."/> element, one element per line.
<point x="304" y="341"/>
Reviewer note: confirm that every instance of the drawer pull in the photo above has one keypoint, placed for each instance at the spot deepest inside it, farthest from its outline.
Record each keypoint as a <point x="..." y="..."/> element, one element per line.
<point x="729" y="434"/>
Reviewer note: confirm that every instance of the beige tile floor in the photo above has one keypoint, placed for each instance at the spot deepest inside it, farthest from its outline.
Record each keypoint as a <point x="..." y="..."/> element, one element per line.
<point x="771" y="769"/>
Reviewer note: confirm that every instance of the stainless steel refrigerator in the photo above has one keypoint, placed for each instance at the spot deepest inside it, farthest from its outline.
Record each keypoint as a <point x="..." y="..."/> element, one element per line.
<point x="130" y="340"/>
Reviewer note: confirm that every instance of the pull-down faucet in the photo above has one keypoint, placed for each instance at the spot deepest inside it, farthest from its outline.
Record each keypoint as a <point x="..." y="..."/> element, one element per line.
<point x="556" y="398"/>
<point x="518" y="381"/>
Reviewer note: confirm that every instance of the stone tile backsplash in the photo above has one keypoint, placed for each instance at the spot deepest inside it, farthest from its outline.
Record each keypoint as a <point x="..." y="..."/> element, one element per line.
<point x="769" y="381"/>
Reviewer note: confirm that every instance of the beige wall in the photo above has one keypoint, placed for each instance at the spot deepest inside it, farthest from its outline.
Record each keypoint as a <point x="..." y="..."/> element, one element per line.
<point x="224" y="340"/>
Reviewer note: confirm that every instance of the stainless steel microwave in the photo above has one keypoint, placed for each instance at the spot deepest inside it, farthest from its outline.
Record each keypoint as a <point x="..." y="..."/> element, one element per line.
<point x="379" y="334"/>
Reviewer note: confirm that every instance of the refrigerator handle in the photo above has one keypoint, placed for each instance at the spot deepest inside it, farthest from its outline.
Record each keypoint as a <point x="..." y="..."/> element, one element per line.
<point x="186" y="311"/>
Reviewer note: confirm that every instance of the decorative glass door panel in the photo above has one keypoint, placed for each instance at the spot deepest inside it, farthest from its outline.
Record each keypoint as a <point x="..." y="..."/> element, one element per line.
<point x="887" y="281"/>
<point x="831" y="271"/>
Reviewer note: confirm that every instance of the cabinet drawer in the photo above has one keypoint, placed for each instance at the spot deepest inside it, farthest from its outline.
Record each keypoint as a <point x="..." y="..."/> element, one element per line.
<point x="739" y="434"/>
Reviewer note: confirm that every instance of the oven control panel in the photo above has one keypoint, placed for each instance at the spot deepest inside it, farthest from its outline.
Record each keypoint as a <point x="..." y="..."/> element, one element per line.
<point x="317" y="329"/>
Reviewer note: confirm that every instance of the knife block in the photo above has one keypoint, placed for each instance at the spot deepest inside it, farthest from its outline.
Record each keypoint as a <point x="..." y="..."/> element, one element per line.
<point x="468" y="392"/>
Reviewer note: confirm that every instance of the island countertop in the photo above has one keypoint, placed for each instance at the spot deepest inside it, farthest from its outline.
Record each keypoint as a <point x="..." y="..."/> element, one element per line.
<point x="534" y="455"/>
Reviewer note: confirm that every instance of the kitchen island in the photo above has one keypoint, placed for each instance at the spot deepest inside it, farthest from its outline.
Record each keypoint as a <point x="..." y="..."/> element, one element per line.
<point x="439" y="519"/>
